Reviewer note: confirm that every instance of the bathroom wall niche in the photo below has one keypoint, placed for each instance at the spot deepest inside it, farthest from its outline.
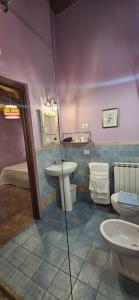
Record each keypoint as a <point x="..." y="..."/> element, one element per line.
<point x="49" y="126"/>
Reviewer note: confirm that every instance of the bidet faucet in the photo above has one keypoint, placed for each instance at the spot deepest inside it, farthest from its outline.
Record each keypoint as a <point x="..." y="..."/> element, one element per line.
<point x="58" y="162"/>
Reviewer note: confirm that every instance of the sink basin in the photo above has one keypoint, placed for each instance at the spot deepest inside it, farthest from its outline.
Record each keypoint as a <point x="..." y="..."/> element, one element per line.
<point x="65" y="168"/>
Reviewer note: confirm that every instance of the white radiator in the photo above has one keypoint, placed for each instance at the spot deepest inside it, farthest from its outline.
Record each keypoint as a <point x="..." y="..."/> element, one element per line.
<point x="126" y="177"/>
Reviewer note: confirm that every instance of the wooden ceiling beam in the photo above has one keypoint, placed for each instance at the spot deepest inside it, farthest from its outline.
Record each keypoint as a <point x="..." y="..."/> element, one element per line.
<point x="5" y="94"/>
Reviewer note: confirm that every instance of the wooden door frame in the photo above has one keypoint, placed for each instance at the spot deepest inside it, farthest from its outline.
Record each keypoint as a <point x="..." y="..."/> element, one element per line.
<point x="25" y="110"/>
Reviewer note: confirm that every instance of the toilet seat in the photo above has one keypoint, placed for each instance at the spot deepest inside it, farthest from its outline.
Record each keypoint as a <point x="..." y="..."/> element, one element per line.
<point x="129" y="212"/>
<point x="114" y="198"/>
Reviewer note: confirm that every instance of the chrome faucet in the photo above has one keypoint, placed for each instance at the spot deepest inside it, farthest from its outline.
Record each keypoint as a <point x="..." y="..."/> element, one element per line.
<point x="59" y="162"/>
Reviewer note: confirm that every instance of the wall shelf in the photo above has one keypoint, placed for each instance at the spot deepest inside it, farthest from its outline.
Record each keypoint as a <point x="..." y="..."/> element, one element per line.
<point x="78" y="137"/>
<point x="75" y="143"/>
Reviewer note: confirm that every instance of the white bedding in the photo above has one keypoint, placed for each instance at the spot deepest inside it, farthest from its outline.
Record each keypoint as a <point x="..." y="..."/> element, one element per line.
<point x="16" y="175"/>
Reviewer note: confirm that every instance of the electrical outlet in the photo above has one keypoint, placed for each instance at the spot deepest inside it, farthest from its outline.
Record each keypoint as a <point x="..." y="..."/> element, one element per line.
<point x="86" y="152"/>
<point x="84" y="125"/>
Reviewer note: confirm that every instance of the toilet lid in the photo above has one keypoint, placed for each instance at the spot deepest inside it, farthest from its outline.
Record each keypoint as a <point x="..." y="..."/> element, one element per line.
<point x="115" y="198"/>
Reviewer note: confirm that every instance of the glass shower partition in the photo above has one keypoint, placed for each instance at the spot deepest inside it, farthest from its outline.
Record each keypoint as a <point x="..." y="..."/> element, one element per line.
<point x="77" y="206"/>
<point x="56" y="190"/>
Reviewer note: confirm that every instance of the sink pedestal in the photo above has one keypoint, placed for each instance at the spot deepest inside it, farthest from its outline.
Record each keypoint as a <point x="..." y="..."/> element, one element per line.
<point x="63" y="171"/>
<point x="65" y="191"/>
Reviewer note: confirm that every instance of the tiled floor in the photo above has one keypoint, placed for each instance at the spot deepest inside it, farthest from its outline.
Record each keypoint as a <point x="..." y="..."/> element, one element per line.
<point x="35" y="266"/>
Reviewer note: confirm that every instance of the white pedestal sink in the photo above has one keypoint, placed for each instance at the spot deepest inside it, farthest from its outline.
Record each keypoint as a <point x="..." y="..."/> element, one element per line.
<point x="63" y="171"/>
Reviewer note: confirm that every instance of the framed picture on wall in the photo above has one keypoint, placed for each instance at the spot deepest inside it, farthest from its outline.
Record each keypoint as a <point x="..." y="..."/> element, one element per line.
<point x="110" y="118"/>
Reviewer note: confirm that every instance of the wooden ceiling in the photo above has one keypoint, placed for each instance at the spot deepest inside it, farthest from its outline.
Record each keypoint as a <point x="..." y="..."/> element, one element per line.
<point x="7" y="94"/>
<point x="59" y="5"/>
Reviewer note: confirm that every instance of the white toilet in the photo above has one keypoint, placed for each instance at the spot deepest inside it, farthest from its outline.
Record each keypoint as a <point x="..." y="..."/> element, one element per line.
<point x="123" y="238"/>
<point x="127" y="212"/>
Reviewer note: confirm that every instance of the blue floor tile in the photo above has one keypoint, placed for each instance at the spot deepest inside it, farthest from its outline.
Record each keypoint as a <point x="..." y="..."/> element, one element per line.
<point x="32" y="292"/>
<point x="60" y="286"/>
<point x="57" y="257"/>
<point x="44" y="275"/>
<point x="86" y="237"/>
<point x="6" y="271"/>
<point x="99" y="242"/>
<point x="21" y="238"/>
<point x="79" y="248"/>
<point x="38" y="229"/>
<point x="77" y="245"/>
<point x="53" y="236"/>
<point x="83" y="292"/>
<point x="30" y="265"/>
<point x="8" y="249"/>
<point x="44" y="250"/>
<point x="101" y="297"/>
<point x="41" y="249"/>
<point x="90" y="275"/>
<point x="18" y="257"/>
<point x="32" y="229"/>
<point x="48" y="296"/>
<point x="17" y="282"/>
<point x="63" y="242"/>
<point x="76" y="264"/>
<point x="98" y="256"/>
<point x="31" y="243"/>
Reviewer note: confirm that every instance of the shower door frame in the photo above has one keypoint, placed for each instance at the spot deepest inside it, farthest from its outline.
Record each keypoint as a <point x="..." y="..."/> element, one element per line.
<point x="25" y="110"/>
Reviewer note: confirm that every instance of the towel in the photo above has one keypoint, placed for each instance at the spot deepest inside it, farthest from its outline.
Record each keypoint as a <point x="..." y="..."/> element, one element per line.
<point x="99" y="182"/>
<point x="128" y="198"/>
<point x="98" y="196"/>
<point x="99" y="167"/>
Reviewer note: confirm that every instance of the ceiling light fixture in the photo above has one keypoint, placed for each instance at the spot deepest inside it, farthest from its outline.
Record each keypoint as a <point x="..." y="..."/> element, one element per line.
<point x="11" y="111"/>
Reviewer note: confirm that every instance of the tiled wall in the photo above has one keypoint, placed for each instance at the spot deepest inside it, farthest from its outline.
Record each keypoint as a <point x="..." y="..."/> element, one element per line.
<point x="98" y="153"/>
<point x="46" y="158"/>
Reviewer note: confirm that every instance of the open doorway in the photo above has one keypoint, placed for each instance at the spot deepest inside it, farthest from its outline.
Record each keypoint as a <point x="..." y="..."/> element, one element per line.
<point x="19" y="192"/>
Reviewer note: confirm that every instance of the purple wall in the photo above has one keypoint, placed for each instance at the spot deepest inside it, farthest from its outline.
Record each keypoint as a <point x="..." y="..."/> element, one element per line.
<point x="12" y="147"/>
<point x="25" y="42"/>
<point x="98" y="66"/>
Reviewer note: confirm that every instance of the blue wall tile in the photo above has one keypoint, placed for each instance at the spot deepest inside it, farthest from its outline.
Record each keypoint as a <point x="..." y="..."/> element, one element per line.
<point x="46" y="158"/>
<point x="109" y="153"/>
<point x="98" y="153"/>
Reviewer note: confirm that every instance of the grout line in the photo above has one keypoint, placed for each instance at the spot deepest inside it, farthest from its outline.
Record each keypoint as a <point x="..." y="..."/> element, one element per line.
<point x="51" y="294"/>
<point x="23" y="242"/>
<point x="58" y="269"/>
<point x="45" y="259"/>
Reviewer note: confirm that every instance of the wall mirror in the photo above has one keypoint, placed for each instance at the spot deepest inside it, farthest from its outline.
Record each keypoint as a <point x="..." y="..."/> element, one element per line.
<point x="49" y="126"/>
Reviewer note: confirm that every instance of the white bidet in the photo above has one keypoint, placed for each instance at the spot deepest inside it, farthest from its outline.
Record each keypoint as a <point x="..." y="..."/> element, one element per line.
<point x="123" y="238"/>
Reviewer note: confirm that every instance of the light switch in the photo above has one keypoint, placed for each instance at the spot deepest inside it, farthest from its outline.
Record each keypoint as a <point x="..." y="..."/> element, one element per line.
<point x="84" y="125"/>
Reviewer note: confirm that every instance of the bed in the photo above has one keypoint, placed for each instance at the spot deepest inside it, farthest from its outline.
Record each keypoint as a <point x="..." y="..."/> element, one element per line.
<point x="16" y="175"/>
